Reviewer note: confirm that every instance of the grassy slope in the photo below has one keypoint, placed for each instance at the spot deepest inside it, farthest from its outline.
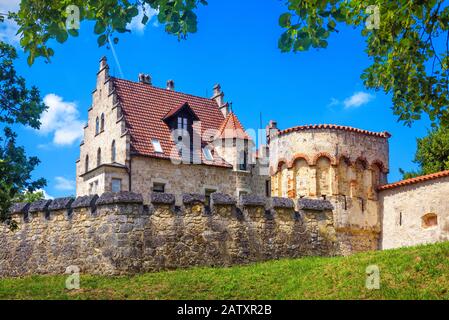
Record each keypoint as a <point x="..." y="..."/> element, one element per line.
<point x="410" y="273"/>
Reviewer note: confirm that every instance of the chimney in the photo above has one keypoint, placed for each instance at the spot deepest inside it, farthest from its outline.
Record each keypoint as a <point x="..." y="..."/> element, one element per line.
<point x="103" y="63"/>
<point x="218" y="97"/>
<point x="272" y="130"/>
<point x="171" y="85"/>
<point x="145" y="78"/>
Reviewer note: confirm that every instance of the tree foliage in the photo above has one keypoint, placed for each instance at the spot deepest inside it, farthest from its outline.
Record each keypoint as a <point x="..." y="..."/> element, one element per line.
<point x="21" y="105"/>
<point x="432" y="153"/>
<point x="409" y="49"/>
<point x="41" y="21"/>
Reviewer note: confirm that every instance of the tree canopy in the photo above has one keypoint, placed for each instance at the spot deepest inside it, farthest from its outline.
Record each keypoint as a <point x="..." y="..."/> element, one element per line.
<point x="432" y="154"/>
<point x="407" y="41"/>
<point x="18" y="105"/>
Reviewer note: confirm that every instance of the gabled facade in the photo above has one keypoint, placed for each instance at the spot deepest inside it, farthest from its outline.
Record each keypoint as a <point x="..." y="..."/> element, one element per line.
<point x="145" y="139"/>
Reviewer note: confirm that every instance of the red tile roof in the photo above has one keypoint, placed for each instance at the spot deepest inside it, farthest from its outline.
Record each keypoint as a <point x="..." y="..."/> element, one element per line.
<point x="144" y="107"/>
<point x="419" y="179"/>
<point x="335" y="127"/>
<point x="232" y="128"/>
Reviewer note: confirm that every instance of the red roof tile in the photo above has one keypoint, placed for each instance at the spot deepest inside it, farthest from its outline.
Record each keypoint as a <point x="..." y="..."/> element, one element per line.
<point x="335" y="127"/>
<point x="144" y="107"/>
<point x="419" y="179"/>
<point x="232" y="128"/>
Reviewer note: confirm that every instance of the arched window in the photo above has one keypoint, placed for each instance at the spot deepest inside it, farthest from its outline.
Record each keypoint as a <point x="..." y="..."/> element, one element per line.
<point x="98" y="157"/>
<point x="102" y="122"/>
<point x="97" y="126"/>
<point x="323" y="177"/>
<point x="86" y="164"/>
<point x="113" y="151"/>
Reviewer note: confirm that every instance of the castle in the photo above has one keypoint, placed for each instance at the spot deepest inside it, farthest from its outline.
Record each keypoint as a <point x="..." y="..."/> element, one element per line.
<point x="181" y="183"/>
<point x="146" y="139"/>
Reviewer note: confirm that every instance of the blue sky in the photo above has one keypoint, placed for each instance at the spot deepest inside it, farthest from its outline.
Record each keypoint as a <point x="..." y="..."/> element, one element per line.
<point x="236" y="46"/>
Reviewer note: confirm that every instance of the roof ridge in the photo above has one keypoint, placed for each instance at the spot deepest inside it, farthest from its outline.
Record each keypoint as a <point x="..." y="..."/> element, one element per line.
<point x="427" y="177"/>
<point x="165" y="90"/>
<point x="384" y="134"/>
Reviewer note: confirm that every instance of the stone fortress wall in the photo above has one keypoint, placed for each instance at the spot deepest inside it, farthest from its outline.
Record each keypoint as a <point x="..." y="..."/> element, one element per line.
<point x="117" y="234"/>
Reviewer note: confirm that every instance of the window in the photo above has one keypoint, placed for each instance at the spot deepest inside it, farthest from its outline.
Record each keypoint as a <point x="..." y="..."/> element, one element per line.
<point x="268" y="188"/>
<point x="243" y="161"/>
<point x="86" y="164"/>
<point x="98" y="157"/>
<point x="102" y="122"/>
<point x="429" y="220"/>
<point x="207" y="193"/>
<point x="157" y="146"/>
<point x="116" y="185"/>
<point x="242" y="193"/>
<point x="208" y="154"/>
<point x="97" y="126"/>
<point x="159" y="187"/>
<point x="113" y="151"/>
<point x="182" y="123"/>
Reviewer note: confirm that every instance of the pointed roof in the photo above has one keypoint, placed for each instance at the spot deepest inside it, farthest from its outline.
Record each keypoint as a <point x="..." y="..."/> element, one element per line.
<point x="174" y="111"/>
<point x="232" y="128"/>
<point x="145" y="107"/>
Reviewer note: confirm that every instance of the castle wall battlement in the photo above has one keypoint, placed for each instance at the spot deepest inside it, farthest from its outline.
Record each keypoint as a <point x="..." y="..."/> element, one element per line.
<point x="117" y="234"/>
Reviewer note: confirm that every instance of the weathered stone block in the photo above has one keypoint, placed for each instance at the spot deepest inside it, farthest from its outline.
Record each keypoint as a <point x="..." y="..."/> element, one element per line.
<point x="120" y="198"/>
<point x="193" y="198"/>
<point x="85" y="202"/>
<point x="222" y="199"/>
<point x="61" y="203"/>
<point x="40" y="205"/>
<point x="277" y="202"/>
<point x="162" y="198"/>
<point x="252" y="200"/>
<point x="20" y="207"/>
<point x="314" y="204"/>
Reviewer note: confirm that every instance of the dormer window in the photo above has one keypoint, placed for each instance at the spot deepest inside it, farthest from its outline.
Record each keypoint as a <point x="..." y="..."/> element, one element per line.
<point x="208" y="154"/>
<point x="157" y="146"/>
<point x="182" y="123"/>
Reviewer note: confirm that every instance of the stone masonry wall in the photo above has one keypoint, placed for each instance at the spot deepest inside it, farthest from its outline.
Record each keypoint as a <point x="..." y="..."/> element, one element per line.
<point x="117" y="234"/>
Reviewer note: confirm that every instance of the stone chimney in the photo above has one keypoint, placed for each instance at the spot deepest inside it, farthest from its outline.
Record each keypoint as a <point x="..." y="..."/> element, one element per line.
<point x="145" y="78"/>
<point x="272" y="130"/>
<point x="218" y="97"/>
<point x="171" y="85"/>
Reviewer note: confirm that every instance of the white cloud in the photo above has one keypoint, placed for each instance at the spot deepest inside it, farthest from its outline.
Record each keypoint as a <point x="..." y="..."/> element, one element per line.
<point x="357" y="99"/>
<point x="46" y="195"/>
<point x="64" y="184"/>
<point x="334" y="102"/>
<point x="136" y="23"/>
<point x="62" y="119"/>
<point x="8" y="28"/>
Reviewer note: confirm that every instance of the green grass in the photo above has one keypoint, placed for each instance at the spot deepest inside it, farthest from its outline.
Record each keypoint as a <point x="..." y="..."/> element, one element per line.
<point x="410" y="273"/>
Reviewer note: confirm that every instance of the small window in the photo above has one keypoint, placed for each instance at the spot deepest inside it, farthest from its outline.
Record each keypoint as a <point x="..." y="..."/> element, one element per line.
<point x="98" y="157"/>
<point x="429" y="220"/>
<point x="207" y="193"/>
<point x="268" y="188"/>
<point x="208" y="154"/>
<point x="116" y="185"/>
<point x="102" y="123"/>
<point x="86" y="164"/>
<point x="97" y="126"/>
<point x="113" y="151"/>
<point x="157" y="145"/>
<point x="243" y="161"/>
<point x="242" y="193"/>
<point x="159" y="187"/>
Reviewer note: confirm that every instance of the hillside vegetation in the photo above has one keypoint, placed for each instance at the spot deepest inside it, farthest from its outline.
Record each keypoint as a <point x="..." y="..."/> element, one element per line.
<point x="409" y="273"/>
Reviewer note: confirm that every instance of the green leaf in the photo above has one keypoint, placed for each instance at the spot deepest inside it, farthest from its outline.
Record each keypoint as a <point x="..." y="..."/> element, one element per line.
<point x="101" y="40"/>
<point x="100" y="27"/>
<point x="285" y="20"/>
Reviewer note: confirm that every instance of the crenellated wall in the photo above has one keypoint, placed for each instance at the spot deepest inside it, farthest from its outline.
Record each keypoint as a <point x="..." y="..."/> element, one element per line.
<point x="117" y="234"/>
